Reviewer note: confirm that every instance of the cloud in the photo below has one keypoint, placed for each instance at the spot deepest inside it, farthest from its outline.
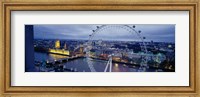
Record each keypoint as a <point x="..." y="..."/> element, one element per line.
<point x="155" y="32"/>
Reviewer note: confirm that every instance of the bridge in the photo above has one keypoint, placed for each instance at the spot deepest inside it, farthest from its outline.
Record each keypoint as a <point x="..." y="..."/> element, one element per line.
<point x="57" y="64"/>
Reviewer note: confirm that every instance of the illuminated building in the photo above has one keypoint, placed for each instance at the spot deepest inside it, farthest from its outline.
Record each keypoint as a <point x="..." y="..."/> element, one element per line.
<point x="59" y="51"/>
<point x="124" y="60"/>
<point x="81" y="49"/>
<point x="115" y="58"/>
<point x="169" y="46"/>
<point x="57" y="44"/>
<point x="159" y="58"/>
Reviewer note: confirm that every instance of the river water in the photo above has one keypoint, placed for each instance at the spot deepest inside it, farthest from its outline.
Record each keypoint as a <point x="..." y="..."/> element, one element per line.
<point x="81" y="64"/>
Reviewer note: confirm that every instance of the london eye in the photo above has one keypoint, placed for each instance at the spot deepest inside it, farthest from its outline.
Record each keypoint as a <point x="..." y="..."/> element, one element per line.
<point x="132" y="32"/>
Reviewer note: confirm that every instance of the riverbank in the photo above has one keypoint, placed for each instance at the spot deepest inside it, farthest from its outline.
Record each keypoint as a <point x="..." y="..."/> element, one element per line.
<point x="131" y="64"/>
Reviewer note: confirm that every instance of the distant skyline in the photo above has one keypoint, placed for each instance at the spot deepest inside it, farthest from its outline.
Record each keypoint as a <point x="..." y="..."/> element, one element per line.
<point x="152" y="32"/>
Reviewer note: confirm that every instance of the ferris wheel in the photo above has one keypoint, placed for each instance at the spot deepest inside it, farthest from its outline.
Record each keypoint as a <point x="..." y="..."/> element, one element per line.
<point x="130" y="29"/>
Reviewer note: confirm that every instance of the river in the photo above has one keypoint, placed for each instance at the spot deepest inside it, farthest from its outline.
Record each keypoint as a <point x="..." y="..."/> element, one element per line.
<point x="81" y="64"/>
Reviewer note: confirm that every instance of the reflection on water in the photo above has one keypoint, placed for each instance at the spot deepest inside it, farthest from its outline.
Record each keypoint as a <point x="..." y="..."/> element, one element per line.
<point x="57" y="56"/>
<point x="81" y="64"/>
<point x="45" y="56"/>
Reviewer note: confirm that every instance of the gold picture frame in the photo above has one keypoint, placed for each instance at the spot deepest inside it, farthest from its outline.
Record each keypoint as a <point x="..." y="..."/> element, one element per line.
<point x="120" y="5"/>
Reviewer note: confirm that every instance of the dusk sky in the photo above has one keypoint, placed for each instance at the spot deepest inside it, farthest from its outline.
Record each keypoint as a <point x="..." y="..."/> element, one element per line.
<point x="155" y="32"/>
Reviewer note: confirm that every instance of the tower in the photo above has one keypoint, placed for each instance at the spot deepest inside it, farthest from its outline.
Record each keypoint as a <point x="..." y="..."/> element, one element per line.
<point x="65" y="46"/>
<point x="57" y="44"/>
<point x="81" y="49"/>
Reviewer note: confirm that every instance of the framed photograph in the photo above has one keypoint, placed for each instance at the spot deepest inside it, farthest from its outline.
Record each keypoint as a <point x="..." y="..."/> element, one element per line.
<point x="105" y="49"/>
<point x="100" y="48"/>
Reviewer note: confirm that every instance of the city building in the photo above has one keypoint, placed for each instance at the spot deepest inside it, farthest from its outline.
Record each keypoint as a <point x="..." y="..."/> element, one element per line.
<point x="58" y="50"/>
<point x="57" y="44"/>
